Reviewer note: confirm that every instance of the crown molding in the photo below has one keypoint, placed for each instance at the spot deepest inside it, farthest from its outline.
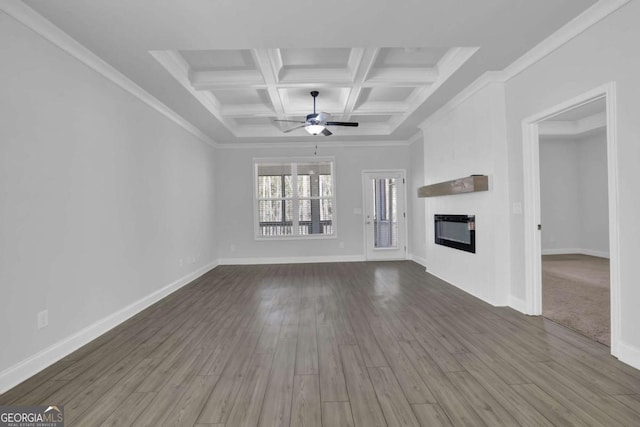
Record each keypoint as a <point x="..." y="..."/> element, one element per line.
<point x="573" y="28"/>
<point x="37" y="23"/>
<point x="572" y="127"/>
<point x="567" y="32"/>
<point x="415" y="138"/>
<point x="175" y="65"/>
<point x="480" y="83"/>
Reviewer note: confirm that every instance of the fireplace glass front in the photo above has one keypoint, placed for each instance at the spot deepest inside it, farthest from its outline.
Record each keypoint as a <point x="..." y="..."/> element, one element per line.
<point x="456" y="231"/>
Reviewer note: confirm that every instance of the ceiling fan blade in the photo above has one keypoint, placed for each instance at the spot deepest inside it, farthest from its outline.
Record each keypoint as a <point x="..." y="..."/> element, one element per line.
<point x="352" y="124"/>
<point x="322" y="117"/>
<point x="326" y="132"/>
<point x="290" y="121"/>
<point x="297" y="127"/>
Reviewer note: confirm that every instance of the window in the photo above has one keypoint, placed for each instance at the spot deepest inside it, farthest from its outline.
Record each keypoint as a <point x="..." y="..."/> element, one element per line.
<point x="294" y="198"/>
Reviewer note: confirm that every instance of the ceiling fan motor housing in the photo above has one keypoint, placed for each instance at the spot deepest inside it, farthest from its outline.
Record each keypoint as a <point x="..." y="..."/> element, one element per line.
<point x="312" y="119"/>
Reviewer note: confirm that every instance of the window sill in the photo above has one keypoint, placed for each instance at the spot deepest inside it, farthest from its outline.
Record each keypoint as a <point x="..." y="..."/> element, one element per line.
<point x="307" y="237"/>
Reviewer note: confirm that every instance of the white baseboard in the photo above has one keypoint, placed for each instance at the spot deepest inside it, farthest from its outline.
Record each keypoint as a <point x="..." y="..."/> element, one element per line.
<point x="419" y="260"/>
<point x="560" y="251"/>
<point x="19" y="372"/>
<point x="566" y="251"/>
<point x="290" y="260"/>
<point x="464" y="290"/>
<point x="629" y="354"/>
<point x="517" y="304"/>
<point x="599" y="254"/>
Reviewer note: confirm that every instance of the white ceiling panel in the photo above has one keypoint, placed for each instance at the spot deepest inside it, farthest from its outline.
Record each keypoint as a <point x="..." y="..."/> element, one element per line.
<point x="242" y="96"/>
<point x="219" y="59"/>
<point x="299" y="100"/>
<point x="254" y="121"/>
<point x="371" y="119"/>
<point x="386" y="94"/>
<point x="415" y="57"/>
<point x="312" y="58"/>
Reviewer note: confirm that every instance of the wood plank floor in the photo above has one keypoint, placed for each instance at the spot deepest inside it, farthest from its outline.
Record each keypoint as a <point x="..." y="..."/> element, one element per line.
<point x="354" y="344"/>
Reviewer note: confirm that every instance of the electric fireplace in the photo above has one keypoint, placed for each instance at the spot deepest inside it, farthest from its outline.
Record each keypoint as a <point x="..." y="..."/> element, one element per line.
<point x="456" y="231"/>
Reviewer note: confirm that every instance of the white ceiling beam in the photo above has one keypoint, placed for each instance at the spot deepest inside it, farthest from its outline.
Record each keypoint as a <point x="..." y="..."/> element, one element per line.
<point x="334" y="76"/>
<point x="275" y="58"/>
<point x="415" y="95"/>
<point x="398" y="84"/>
<point x="179" y="69"/>
<point x="247" y="110"/>
<point x="411" y="76"/>
<point x="206" y="80"/>
<point x="269" y="62"/>
<point x="313" y="84"/>
<point x="382" y="108"/>
<point x="365" y="58"/>
<point x="450" y="62"/>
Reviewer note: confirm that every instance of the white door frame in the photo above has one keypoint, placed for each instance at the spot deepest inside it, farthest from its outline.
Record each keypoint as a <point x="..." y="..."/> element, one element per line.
<point x="532" y="237"/>
<point x="364" y="206"/>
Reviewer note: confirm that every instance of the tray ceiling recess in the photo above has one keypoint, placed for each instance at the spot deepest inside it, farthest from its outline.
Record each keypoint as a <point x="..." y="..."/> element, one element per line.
<point x="247" y="89"/>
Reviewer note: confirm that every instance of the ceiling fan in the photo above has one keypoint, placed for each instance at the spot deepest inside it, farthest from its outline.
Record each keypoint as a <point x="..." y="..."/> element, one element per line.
<point x="317" y="123"/>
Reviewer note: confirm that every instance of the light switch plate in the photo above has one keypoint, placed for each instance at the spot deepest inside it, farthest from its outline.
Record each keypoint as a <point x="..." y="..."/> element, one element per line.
<point x="516" y="208"/>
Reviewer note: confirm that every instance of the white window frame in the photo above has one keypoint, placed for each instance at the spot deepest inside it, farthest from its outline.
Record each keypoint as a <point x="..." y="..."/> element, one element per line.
<point x="293" y="161"/>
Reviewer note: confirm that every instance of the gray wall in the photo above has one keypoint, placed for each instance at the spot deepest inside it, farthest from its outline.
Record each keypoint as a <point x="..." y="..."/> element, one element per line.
<point x="573" y="194"/>
<point x="470" y="139"/>
<point x="417" y="223"/>
<point x="100" y="198"/>
<point x="597" y="56"/>
<point x="234" y="176"/>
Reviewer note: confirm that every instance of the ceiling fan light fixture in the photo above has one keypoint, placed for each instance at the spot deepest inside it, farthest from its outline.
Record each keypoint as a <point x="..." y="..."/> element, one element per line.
<point x="314" y="129"/>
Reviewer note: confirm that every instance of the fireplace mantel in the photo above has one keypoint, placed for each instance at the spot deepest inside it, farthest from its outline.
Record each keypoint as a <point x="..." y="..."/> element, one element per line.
<point x="467" y="184"/>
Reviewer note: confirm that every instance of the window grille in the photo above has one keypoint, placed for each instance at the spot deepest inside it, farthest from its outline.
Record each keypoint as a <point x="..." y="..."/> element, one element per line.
<point x="294" y="199"/>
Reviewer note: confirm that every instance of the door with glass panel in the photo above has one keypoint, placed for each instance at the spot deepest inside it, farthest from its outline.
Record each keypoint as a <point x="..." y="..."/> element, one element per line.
<point x="384" y="215"/>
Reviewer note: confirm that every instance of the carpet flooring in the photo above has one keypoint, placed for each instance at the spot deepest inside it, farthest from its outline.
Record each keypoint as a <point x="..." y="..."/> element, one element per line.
<point x="575" y="293"/>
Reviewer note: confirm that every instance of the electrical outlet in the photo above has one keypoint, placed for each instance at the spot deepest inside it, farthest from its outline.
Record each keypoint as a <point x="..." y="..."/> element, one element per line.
<point x="341" y="245"/>
<point x="43" y="319"/>
<point x="180" y="262"/>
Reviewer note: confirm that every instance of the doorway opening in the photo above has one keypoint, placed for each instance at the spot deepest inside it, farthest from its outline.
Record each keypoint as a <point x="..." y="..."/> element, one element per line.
<point x="384" y="214"/>
<point x="560" y="202"/>
<point x="574" y="218"/>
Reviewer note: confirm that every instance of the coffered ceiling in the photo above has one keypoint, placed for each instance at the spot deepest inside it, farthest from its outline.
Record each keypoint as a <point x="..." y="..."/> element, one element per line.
<point x="231" y="68"/>
<point x="247" y="89"/>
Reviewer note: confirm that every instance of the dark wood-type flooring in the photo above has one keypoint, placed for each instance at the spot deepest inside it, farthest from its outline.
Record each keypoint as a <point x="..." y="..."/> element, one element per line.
<point x="353" y="344"/>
